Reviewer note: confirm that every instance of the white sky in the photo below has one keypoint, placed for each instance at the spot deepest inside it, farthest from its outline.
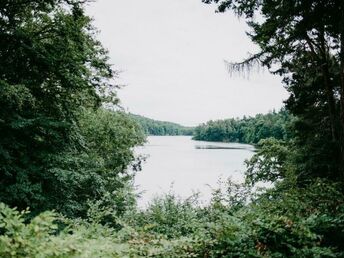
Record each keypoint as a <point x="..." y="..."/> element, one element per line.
<point x="172" y="56"/>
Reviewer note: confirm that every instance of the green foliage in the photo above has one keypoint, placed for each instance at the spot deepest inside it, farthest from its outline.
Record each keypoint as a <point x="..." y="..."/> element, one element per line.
<point x="170" y="216"/>
<point x="51" y="67"/>
<point x="98" y="171"/>
<point x="282" y="222"/>
<point x="293" y="220"/>
<point x="246" y="130"/>
<point x="42" y="238"/>
<point x="62" y="149"/>
<point x="269" y="163"/>
<point x="58" y="149"/>
<point x="303" y="42"/>
<point x="35" y="239"/>
<point x="155" y="127"/>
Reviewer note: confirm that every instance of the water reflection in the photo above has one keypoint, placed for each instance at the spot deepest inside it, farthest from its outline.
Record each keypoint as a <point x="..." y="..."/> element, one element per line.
<point x="190" y="166"/>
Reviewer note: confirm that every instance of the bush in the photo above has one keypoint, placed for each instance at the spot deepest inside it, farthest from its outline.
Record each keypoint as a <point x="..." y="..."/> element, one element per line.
<point x="282" y="222"/>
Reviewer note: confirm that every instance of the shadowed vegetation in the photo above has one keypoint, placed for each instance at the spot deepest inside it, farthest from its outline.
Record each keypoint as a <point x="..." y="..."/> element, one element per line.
<point x="68" y="155"/>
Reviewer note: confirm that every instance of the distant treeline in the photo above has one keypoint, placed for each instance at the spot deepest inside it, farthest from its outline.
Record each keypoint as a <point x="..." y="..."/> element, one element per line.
<point x="245" y="130"/>
<point x="155" y="127"/>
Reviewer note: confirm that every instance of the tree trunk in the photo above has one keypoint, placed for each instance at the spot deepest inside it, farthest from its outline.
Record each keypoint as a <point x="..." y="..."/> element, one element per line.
<point x="336" y="130"/>
<point x="341" y="60"/>
<point x="331" y="102"/>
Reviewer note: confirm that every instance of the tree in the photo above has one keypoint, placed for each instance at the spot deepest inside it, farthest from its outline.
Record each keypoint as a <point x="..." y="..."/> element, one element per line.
<point x="303" y="41"/>
<point x="247" y="130"/>
<point x="155" y="127"/>
<point x="52" y="69"/>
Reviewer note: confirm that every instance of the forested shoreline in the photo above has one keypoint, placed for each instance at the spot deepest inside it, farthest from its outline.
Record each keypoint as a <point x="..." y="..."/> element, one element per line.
<point x="249" y="130"/>
<point x="156" y="127"/>
<point x="67" y="162"/>
<point x="246" y="130"/>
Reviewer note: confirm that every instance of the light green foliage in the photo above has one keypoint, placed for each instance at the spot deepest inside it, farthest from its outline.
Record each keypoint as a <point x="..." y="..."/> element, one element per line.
<point x="282" y="222"/>
<point x="170" y="216"/>
<point x="41" y="237"/>
<point x="269" y="163"/>
<point x="35" y="239"/>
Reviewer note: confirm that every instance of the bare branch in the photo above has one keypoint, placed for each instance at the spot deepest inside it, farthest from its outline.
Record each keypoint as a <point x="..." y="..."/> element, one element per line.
<point x="245" y="67"/>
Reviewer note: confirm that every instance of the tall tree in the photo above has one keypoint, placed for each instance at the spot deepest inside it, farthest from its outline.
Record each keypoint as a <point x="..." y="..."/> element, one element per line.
<point x="303" y="42"/>
<point x="51" y="68"/>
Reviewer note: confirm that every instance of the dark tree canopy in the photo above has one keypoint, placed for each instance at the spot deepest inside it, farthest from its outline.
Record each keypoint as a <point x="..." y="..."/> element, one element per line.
<point x="52" y="69"/>
<point x="303" y="41"/>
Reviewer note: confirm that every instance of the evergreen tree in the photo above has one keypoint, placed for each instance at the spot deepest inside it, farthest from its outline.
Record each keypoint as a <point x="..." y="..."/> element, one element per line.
<point x="303" y="41"/>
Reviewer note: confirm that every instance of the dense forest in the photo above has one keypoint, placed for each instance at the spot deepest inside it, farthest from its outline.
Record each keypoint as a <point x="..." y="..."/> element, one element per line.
<point x="155" y="127"/>
<point x="246" y="130"/>
<point x="67" y="165"/>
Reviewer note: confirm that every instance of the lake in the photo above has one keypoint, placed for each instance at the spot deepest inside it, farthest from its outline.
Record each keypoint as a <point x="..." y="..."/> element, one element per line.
<point x="184" y="166"/>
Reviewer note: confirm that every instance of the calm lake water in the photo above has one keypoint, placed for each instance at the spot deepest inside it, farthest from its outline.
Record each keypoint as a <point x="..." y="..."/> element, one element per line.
<point x="184" y="166"/>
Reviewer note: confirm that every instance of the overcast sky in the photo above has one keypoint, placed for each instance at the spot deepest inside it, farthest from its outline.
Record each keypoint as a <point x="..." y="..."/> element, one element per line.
<point x="172" y="56"/>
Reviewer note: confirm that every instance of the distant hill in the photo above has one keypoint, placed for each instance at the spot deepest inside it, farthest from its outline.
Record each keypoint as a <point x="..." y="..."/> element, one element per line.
<point x="156" y="127"/>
